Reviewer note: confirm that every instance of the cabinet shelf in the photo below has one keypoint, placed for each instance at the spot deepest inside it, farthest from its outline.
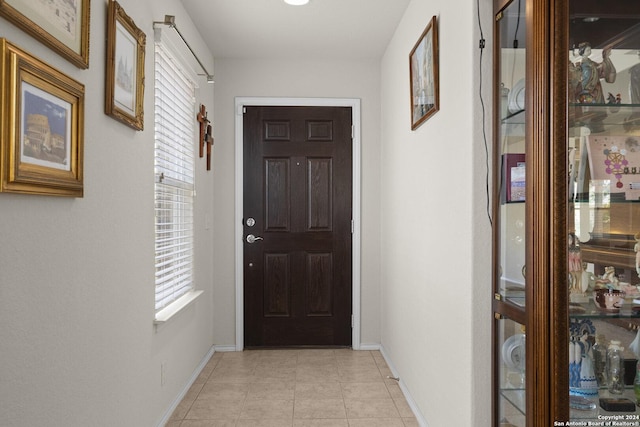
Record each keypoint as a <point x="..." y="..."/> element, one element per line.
<point x="589" y="310"/>
<point x="516" y="397"/>
<point x="612" y="118"/>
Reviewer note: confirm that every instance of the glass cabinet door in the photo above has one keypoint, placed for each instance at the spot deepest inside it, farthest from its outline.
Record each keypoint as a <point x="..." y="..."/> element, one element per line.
<point x="509" y="269"/>
<point x="603" y="215"/>
<point x="510" y="141"/>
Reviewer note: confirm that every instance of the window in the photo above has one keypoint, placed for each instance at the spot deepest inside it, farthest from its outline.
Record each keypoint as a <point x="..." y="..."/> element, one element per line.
<point x="174" y="178"/>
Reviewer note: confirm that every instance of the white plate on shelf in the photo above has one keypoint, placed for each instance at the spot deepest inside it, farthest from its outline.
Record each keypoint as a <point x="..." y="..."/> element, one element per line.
<point x="516" y="97"/>
<point x="513" y="352"/>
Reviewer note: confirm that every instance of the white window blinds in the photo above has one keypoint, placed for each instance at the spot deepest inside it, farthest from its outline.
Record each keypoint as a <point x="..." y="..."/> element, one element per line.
<point x="174" y="183"/>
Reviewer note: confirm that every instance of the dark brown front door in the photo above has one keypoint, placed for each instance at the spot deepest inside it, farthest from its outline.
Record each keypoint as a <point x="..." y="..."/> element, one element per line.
<point x="297" y="204"/>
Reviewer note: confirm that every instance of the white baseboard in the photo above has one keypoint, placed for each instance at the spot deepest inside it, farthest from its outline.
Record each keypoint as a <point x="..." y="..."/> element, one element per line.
<point x="225" y="348"/>
<point x="369" y="347"/>
<point x="183" y="393"/>
<point x="412" y="403"/>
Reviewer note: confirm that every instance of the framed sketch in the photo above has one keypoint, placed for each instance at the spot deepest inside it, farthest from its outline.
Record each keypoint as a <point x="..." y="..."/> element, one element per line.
<point x="423" y="69"/>
<point x="42" y="127"/>
<point x="125" y="68"/>
<point x="62" y="25"/>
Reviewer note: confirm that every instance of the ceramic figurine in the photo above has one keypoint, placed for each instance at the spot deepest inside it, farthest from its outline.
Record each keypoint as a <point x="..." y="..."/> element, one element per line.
<point x="575" y="264"/>
<point x="590" y="88"/>
<point x="608" y="279"/>
<point x="588" y="281"/>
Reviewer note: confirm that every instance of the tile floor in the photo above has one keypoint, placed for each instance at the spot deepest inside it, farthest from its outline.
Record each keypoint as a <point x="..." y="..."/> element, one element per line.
<point x="294" y="388"/>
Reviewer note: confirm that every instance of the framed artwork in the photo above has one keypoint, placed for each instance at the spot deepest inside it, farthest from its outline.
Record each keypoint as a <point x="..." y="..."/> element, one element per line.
<point x="42" y="127"/>
<point x="125" y="68"/>
<point x="423" y="69"/>
<point x="615" y="162"/>
<point x="513" y="178"/>
<point x="62" y="25"/>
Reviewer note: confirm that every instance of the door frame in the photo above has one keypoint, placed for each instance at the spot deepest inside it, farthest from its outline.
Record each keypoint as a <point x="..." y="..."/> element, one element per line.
<point x="240" y="103"/>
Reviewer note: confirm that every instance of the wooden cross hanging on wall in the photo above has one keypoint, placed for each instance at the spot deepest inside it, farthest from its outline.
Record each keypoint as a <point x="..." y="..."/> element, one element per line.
<point x="204" y="121"/>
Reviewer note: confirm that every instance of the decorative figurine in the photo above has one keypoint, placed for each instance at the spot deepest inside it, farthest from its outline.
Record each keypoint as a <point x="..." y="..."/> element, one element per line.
<point x="589" y="88"/>
<point x="588" y="280"/>
<point x="575" y="77"/>
<point x="608" y="279"/>
<point x="575" y="264"/>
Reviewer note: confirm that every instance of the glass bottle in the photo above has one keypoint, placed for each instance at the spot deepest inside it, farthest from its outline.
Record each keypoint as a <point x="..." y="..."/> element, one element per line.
<point x="615" y="368"/>
<point x="599" y="350"/>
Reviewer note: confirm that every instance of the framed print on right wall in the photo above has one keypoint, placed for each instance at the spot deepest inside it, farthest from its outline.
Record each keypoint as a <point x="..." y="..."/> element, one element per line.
<point x="423" y="69"/>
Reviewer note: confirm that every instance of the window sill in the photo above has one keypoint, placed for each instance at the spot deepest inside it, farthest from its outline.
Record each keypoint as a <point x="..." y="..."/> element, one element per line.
<point x="176" y="307"/>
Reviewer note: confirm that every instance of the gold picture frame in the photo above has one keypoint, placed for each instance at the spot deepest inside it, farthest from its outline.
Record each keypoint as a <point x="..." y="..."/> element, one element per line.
<point x="424" y="75"/>
<point x="61" y="25"/>
<point x="42" y="126"/>
<point x="125" y="68"/>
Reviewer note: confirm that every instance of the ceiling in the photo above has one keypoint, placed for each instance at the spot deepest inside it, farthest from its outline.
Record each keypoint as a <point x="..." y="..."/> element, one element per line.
<point x="355" y="29"/>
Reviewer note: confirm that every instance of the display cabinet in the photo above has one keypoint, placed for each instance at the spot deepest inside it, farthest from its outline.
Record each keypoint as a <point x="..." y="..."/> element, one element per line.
<point x="566" y="217"/>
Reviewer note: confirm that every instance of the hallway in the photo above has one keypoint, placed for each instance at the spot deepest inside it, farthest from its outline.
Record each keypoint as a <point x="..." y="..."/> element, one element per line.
<point x="296" y="388"/>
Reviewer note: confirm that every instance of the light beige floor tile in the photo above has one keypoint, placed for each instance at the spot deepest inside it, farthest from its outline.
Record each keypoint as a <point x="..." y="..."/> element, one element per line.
<point x="246" y="355"/>
<point x="303" y="354"/>
<point x="203" y="376"/>
<point x="273" y="390"/>
<point x="394" y="389"/>
<point x="371" y="390"/>
<point x="265" y="423"/>
<point x="224" y="391"/>
<point x="371" y="408"/>
<point x="210" y="409"/>
<point x="264" y="409"/>
<point x="320" y="423"/>
<point x="359" y="374"/>
<point x="322" y="374"/>
<point x="403" y="408"/>
<point x="181" y="410"/>
<point x="236" y="368"/>
<point x="319" y="408"/>
<point x="317" y="362"/>
<point x="277" y="362"/>
<point x="331" y="388"/>
<point x="376" y="422"/>
<point x="356" y="361"/>
<point x="410" y="422"/>
<point x="318" y="390"/>
<point x="266" y="374"/>
<point x="285" y="353"/>
<point x="232" y="376"/>
<point x="352" y="353"/>
<point x="386" y="373"/>
<point x="173" y="424"/>
<point x="208" y="423"/>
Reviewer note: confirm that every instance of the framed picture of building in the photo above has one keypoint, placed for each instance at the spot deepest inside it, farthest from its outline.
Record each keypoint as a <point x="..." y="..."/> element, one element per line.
<point x="42" y="113"/>
<point x="125" y="68"/>
<point x="60" y="24"/>
<point x="424" y="77"/>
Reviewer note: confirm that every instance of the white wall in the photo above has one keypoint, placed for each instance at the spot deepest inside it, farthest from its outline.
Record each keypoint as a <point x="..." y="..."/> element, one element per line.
<point x="436" y="245"/>
<point x="78" y="344"/>
<point x="302" y="78"/>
